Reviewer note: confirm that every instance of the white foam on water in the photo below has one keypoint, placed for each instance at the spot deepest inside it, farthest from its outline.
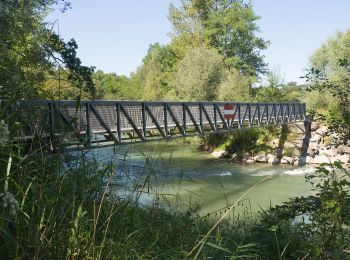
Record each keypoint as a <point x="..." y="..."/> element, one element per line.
<point x="225" y="174"/>
<point x="265" y="173"/>
<point x="300" y="171"/>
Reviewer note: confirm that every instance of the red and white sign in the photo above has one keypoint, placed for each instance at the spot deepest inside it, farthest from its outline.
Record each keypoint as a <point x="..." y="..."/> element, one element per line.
<point x="229" y="111"/>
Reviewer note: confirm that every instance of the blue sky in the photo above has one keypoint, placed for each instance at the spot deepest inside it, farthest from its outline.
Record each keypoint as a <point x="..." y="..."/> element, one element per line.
<point x="114" y="35"/>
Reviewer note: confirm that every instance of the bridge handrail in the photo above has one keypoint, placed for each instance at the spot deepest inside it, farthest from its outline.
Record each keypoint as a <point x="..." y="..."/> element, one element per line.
<point x="141" y="119"/>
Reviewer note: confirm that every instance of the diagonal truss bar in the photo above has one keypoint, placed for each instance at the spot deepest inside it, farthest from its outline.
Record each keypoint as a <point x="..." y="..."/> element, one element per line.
<point x="71" y="125"/>
<point x="222" y="117"/>
<point x="199" y="130"/>
<point x="208" y="118"/>
<point x="155" y="121"/>
<point x="177" y="123"/>
<point x="132" y="123"/>
<point x="104" y="125"/>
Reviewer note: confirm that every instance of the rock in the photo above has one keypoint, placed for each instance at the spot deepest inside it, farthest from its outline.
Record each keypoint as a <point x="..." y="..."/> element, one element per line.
<point x="219" y="154"/>
<point x="322" y="130"/>
<point x="315" y="126"/>
<point x="273" y="159"/>
<point x="314" y="146"/>
<point x="329" y="151"/>
<point x="316" y="138"/>
<point x="321" y="159"/>
<point x="260" y="158"/>
<point x="312" y="151"/>
<point x="297" y="163"/>
<point x="343" y="149"/>
<point x="287" y="160"/>
<point x="309" y="159"/>
<point x="345" y="158"/>
<point x="250" y="161"/>
<point x="234" y="156"/>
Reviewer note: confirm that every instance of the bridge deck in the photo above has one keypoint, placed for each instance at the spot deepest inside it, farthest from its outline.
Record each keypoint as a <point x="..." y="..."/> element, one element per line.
<point x="99" y="123"/>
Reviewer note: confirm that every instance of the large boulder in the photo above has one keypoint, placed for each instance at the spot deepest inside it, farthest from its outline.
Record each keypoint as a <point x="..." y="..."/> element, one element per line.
<point x="272" y="159"/>
<point x="322" y="130"/>
<point x="342" y="149"/>
<point x="321" y="159"/>
<point x="250" y="160"/>
<point x="316" y="138"/>
<point x="309" y="159"/>
<point x="287" y="160"/>
<point x="260" y="158"/>
<point x="315" y="125"/>
<point x="219" y="154"/>
<point x="345" y="158"/>
<point x="329" y="151"/>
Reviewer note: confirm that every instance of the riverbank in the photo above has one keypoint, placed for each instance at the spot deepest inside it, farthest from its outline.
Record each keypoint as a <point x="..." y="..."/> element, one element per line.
<point x="298" y="145"/>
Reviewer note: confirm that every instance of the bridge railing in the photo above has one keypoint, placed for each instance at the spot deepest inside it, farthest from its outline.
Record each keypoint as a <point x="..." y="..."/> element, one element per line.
<point x="90" y="123"/>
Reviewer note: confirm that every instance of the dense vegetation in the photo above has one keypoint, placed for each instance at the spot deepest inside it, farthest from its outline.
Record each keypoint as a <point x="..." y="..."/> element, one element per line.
<point x="59" y="205"/>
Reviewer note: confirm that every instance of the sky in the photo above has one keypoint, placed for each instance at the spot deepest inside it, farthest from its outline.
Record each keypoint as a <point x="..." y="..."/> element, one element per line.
<point x="114" y="35"/>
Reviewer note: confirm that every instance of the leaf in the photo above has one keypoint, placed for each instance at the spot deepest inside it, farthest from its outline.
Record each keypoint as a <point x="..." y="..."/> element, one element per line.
<point x="219" y="247"/>
<point x="331" y="203"/>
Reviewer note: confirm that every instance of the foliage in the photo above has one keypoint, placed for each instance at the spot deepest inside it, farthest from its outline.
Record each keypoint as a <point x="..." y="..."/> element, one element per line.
<point x="330" y="74"/>
<point x="156" y="73"/>
<point x="271" y="92"/>
<point x="198" y="76"/>
<point x="112" y="86"/>
<point x="329" y="59"/>
<point x="231" y="29"/>
<point x="240" y="143"/>
<point x="30" y="50"/>
<point x="235" y="87"/>
<point x="338" y="115"/>
<point x="322" y="220"/>
<point x="292" y="92"/>
<point x="228" y="26"/>
<point x="187" y="24"/>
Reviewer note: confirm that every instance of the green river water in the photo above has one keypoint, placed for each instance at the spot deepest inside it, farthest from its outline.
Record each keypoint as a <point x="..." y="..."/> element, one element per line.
<point x="182" y="176"/>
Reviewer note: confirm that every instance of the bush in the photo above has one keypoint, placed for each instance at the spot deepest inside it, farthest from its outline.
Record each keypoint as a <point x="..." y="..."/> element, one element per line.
<point x="314" y="226"/>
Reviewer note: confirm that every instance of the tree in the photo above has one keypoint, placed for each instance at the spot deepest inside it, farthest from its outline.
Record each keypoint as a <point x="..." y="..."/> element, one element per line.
<point x="235" y="87"/>
<point x="187" y="25"/>
<point x="156" y="72"/>
<point x="226" y="25"/>
<point x="330" y="66"/>
<point x="112" y="86"/>
<point x="330" y="73"/>
<point x="271" y="91"/>
<point x="30" y="51"/>
<point x="199" y="75"/>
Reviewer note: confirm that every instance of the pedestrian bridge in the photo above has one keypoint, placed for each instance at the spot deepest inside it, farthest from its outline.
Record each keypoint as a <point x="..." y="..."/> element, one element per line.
<point x="91" y="124"/>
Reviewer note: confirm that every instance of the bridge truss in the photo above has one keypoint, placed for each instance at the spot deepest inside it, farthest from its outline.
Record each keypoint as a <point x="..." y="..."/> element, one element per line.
<point x="90" y="124"/>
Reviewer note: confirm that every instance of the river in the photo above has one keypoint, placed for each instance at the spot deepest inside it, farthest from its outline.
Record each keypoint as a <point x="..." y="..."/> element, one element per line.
<point x="182" y="176"/>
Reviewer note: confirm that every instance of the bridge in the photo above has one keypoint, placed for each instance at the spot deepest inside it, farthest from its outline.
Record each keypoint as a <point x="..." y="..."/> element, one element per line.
<point x="91" y="124"/>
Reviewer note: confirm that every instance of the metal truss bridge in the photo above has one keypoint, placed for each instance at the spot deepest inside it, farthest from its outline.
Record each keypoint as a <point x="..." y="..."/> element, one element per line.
<point x="91" y="124"/>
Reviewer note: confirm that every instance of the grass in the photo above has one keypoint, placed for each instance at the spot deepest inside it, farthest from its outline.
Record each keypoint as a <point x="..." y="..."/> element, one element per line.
<point x="70" y="214"/>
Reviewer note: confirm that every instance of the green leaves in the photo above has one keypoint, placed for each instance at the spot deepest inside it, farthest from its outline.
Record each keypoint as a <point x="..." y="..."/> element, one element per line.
<point x="325" y="231"/>
<point x="33" y="52"/>
<point x="228" y="26"/>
